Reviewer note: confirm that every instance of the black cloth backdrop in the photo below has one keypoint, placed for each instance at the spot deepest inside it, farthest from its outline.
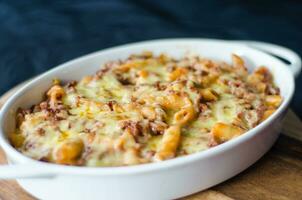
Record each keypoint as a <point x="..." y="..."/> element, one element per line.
<point x="36" y="35"/>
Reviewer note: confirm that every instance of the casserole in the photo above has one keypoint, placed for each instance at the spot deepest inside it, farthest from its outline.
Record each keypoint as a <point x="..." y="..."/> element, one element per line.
<point x="163" y="180"/>
<point x="147" y="108"/>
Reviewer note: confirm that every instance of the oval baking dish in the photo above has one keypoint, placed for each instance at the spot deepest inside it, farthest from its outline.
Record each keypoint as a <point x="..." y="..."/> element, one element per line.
<point x="164" y="180"/>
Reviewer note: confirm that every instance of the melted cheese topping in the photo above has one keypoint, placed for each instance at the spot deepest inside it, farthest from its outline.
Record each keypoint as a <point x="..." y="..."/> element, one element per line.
<point x="145" y="109"/>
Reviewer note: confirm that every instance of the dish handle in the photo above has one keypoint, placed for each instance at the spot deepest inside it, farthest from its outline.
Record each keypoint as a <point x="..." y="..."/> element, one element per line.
<point x="15" y="171"/>
<point x="284" y="53"/>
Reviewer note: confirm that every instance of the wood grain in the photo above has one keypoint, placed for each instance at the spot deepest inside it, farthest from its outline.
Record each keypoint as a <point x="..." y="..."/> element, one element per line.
<point x="10" y="190"/>
<point x="276" y="176"/>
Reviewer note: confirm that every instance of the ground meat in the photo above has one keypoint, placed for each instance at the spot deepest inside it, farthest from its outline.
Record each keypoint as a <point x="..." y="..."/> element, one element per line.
<point x="212" y="142"/>
<point x="149" y="154"/>
<point x="249" y="97"/>
<point x="56" y="112"/>
<point x="158" y="127"/>
<point x="159" y="86"/>
<point x="100" y="73"/>
<point x="71" y="84"/>
<point x="123" y="80"/>
<point x="238" y="88"/>
<point x="271" y="90"/>
<point x="43" y="105"/>
<point x="183" y="152"/>
<point x="35" y="108"/>
<point x="110" y="104"/>
<point x="203" y="107"/>
<point x="70" y="87"/>
<point x="252" y="117"/>
<point x="21" y="115"/>
<point x="171" y="68"/>
<point x="134" y="127"/>
<point x="61" y="115"/>
<point x="205" y="111"/>
<point x="267" y="76"/>
<point x="41" y="131"/>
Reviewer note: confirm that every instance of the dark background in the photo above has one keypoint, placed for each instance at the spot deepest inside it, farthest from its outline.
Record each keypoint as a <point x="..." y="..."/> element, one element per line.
<point x="38" y="35"/>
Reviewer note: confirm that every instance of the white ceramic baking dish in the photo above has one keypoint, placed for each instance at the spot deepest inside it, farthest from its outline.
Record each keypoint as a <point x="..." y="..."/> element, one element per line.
<point x="165" y="180"/>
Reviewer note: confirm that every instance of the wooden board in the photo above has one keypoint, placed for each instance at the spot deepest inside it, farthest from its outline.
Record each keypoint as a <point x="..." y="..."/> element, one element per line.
<point x="276" y="176"/>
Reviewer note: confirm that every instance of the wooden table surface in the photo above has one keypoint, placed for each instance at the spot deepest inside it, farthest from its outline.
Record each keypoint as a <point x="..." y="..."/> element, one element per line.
<point x="276" y="176"/>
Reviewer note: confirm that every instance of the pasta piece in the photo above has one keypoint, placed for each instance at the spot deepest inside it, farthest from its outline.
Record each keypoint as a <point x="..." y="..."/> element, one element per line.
<point x="163" y="58"/>
<point x="238" y="63"/>
<point x="91" y="137"/>
<point x="56" y="81"/>
<point x="16" y="139"/>
<point x="131" y="64"/>
<point x="207" y="80"/>
<point x="273" y="100"/>
<point x="223" y="132"/>
<point x="267" y="113"/>
<point x="125" y="141"/>
<point x="261" y="87"/>
<point x="184" y="115"/>
<point x="131" y="157"/>
<point x="69" y="152"/>
<point x="260" y="79"/>
<point x="86" y="79"/>
<point x="147" y="54"/>
<point x="169" y="143"/>
<point x="208" y="95"/>
<point x="143" y="73"/>
<point x="174" y="101"/>
<point x="256" y="81"/>
<point x="254" y="78"/>
<point x="118" y="108"/>
<point x="265" y="75"/>
<point x="55" y="93"/>
<point x="148" y="112"/>
<point x="177" y="73"/>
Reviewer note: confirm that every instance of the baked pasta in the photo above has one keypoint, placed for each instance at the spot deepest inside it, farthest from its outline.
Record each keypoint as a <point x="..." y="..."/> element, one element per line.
<point x="145" y="109"/>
